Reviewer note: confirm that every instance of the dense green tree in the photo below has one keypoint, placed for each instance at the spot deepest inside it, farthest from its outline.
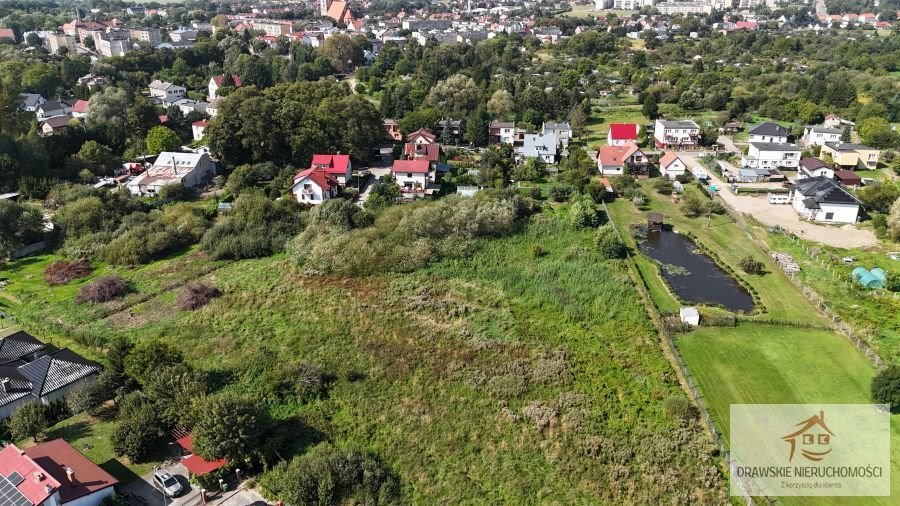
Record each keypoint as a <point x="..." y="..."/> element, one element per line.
<point x="149" y="356"/>
<point x="886" y="387"/>
<point x="228" y="427"/>
<point x="20" y="224"/>
<point x="138" y="431"/>
<point x="161" y="139"/>
<point x="29" y="420"/>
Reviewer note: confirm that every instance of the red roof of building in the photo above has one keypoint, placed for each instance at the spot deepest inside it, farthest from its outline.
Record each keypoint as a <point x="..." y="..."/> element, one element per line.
<point x="322" y="179"/>
<point x="667" y="159"/>
<point x="37" y="480"/>
<point x="57" y="456"/>
<point x="201" y="123"/>
<point x="163" y="118"/>
<point x="197" y="465"/>
<point x="425" y="133"/>
<point x="848" y="177"/>
<point x="414" y="166"/>
<point x="623" y="131"/>
<point x="80" y="106"/>
<point x="7" y="33"/>
<point x="615" y="156"/>
<point x="333" y="164"/>
<point x="221" y="79"/>
<point x="430" y="152"/>
<point x="746" y="25"/>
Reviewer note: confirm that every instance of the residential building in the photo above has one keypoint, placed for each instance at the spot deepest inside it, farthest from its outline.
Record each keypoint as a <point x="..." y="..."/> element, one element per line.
<point x="502" y="132"/>
<point x="620" y="160"/>
<point x="818" y="135"/>
<point x="411" y="176"/>
<point x="449" y="129"/>
<point x="314" y="186"/>
<point x="768" y="132"/>
<point x="428" y="152"/>
<point x="92" y="82"/>
<point x="54" y="125"/>
<point x="695" y="7"/>
<point x="337" y="10"/>
<point x="562" y="132"/>
<point x="112" y="42"/>
<point x="822" y="199"/>
<point x="191" y="170"/>
<point x="766" y="155"/>
<point x="274" y="28"/>
<point x="337" y="166"/>
<point x="183" y="36"/>
<point x="814" y="167"/>
<point x="166" y="92"/>
<point x="30" y="376"/>
<point x="56" y="41"/>
<point x="51" y="108"/>
<point x="151" y="36"/>
<point x="835" y="121"/>
<point x="675" y="134"/>
<point x="80" y="109"/>
<point x="8" y="33"/>
<point x="541" y="146"/>
<point x="187" y="106"/>
<point x="621" y="133"/>
<point x="198" y="129"/>
<point x="392" y="130"/>
<point x="52" y="473"/>
<point x="422" y="136"/>
<point x="671" y="166"/>
<point x="627" y="5"/>
<point x="851" y="156"/>
<point x="216" y="82"/>
<point x="29" y="102"/>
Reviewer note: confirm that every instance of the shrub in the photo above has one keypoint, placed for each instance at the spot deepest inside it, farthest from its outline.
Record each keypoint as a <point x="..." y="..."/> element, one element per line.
<point x="29" y="420"/>
<point x="86" y="397"/>
<point x="692" y="206"/>
<point x="197" y="295"/>
<point x="560" y="192"/>
<point x="751" y="265"/>
<point x="138" y="432"/>
<point x="609" y="244"/>
<point x="583" y="214"/>
<point x="228" y="427"/>
<point x="329" y="475"/>
<point x="664" y="186"/>
<point x="680" y="409"/>
<point x="715" y="207"/>
<point x="257" y="227"/>
<point x="102" y="290"/>
<point x="538" y="251"/>
<point x="596" y="190"/>
<point x="685" y="177"/>
<point x="63" y="272"/>
<point x="886" y="387"/>
<point x="536" y="192"/>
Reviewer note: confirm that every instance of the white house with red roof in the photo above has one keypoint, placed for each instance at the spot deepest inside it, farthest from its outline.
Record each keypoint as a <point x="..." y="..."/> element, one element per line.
<point x="671" y="166"/>
<point x="198" y="128"/>
<point x="314" y="186"/>
<point x="216" y="82"/>
<point x="614" y="160"/>
<point x="80" y="109"/>
<point x="51" y="474"/>
<point x="421" y="136"/>
<point x="620" y="133"/>
<point x="337" y="166"/>
<point x="411" y="176"/>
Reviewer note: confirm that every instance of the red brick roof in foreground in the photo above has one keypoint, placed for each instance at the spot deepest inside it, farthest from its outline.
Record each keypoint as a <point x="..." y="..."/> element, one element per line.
<point x="623" y="131"/>
<point x="333" y="164"/>
<point x="615" y="156"/>
<point x="196" y="464"/>
<point x="56" y="456"/>
<point x="414" y="166"/>
<point x="34" y="486"/>
<point x="322" y="179"/>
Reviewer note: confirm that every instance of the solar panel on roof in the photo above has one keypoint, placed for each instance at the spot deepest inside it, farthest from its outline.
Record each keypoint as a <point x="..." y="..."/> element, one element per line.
<point x="10" y="495"/>
<point x="15" y="478"/>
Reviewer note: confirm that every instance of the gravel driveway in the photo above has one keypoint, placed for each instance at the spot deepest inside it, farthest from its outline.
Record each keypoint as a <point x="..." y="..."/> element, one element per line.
<point x="784" y="216"/>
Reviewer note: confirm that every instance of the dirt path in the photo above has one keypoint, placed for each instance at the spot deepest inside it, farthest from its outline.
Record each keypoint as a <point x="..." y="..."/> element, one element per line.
<point x="784" y="216"/>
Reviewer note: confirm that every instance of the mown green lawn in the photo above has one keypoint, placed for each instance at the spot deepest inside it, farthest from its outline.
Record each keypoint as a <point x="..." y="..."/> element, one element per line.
<point x="759" y="364"/>
<point x="602" y="116"/>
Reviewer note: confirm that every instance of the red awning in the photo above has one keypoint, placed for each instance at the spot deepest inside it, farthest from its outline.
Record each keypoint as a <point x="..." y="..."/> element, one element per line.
<point x="196" y="464"/>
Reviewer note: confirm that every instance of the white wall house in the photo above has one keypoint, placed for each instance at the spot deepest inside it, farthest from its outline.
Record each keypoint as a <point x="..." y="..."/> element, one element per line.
<point x="502" y="132"/>
<point x="770" y="155"/>
<point x="166" y="91"/>
<point x="812" y="167"/>
<point x="314" y="186"/>
<point x="768" y="132"/>
<point x="824" y="200"/>
<point x="818" y="136"/>
<point x="671" y="166"/>
<point x="198" y="129"/>
<point x="190" y="169"/>
<point x="411" y="176"/>
<point x="538" y="146"/>
<point x="52" y="108"/>
<point x="682" y="133"/>
<point x="615" y="160"/>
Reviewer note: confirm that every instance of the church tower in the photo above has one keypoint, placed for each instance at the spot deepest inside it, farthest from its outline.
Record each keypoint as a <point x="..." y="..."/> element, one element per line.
<point x="323" y="7"/>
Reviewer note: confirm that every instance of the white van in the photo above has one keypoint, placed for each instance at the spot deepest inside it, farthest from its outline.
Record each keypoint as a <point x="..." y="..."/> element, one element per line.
<point x="779" y="198"/>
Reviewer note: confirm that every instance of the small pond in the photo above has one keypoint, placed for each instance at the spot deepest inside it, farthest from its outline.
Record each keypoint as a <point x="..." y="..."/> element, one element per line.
<point x="692" y="275"/>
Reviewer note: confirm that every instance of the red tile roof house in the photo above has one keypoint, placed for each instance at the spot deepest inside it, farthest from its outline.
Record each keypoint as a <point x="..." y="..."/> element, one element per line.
<point x="614" y="160"/>
<point x="411" y="176"/>
<point x="620" y="133"/>
<point x="337" y="166"/>
<point x="314" y="186"/>
<point x="50" y="474"/>
<point x="421" y="136"/>
<point x="80" y="109"/>
<point x="671" y="166"/>
<point x="216" y="82"/>
<point x="430" y="152"/>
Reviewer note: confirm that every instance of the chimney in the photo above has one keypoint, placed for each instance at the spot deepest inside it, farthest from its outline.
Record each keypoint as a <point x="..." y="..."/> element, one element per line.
<point x="4" y="385"/>
<point x="70" y="473"/>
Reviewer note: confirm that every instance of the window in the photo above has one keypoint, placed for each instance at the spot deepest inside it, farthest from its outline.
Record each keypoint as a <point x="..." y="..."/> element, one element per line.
<point x="409" y="174"/>
<point x="829" y="216"/>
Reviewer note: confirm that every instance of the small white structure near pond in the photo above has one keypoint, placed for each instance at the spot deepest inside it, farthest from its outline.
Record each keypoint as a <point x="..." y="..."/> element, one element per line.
<point x="690" y="315"/>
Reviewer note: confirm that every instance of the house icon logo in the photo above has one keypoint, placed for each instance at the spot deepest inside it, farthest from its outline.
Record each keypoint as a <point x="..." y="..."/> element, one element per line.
<point x="813" y="438"/>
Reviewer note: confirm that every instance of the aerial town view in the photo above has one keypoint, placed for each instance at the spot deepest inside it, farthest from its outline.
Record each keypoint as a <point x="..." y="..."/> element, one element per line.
<point x="439" y="252"/>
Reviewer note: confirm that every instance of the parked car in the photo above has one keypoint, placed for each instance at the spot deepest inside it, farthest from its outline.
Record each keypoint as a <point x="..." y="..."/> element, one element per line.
<point x="168" y="483"/>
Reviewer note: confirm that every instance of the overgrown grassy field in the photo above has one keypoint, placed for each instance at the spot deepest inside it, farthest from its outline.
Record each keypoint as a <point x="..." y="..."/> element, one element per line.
<point x="764" y="364"/>
<point x="503" y="377"/>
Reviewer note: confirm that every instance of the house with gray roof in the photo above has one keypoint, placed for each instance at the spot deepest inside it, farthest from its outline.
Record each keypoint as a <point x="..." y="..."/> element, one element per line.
<point x="541" y="146"/>
<point x="768" y="132"/>
<point x="675" y="134"/>
<point x="766" y="155"/>
<point x="819" y="135"/>
<point x="824" y="200"/>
